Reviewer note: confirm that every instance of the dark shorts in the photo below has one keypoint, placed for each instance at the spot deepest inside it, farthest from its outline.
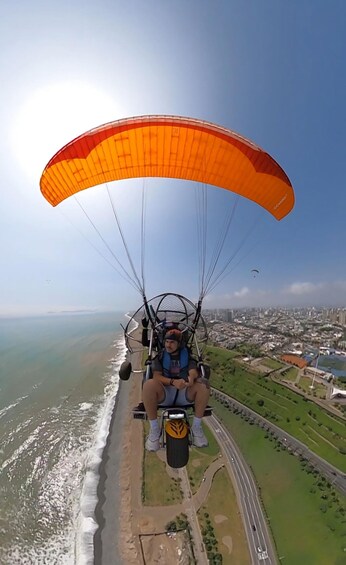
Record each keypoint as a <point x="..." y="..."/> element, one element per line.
<point x="170" y="392"/>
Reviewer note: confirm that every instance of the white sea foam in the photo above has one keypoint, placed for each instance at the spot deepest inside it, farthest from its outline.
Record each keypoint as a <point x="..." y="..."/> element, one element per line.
<point x="35" y="469"/>
<point x="13" y="435"/>
<point x="48" y="553"/>
<point x="4" y="410"/>
<point x="22" y="448"/>
<point x="87" y="524"/>
<point x="85" y="405"/>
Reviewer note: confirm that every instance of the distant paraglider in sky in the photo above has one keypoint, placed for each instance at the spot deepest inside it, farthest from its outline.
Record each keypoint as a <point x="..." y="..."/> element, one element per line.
<point x="254" y="272"/>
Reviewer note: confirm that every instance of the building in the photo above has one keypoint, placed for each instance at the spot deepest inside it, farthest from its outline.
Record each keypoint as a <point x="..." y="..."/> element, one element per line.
<point x="294" y="360"/>
<point x="338" y="393"/>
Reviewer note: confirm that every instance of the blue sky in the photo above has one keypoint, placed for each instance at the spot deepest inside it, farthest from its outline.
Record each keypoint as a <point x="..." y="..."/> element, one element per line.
<point x="270" y="70"/>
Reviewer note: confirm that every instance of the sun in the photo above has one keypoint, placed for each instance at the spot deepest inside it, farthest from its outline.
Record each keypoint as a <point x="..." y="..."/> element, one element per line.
<point x="54" y="115"/>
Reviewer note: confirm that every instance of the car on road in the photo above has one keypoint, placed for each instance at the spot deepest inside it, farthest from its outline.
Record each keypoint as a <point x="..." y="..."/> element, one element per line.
<point x="254" y="527"/>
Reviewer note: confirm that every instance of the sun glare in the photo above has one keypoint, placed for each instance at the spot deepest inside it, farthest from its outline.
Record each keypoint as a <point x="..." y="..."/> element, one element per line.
<point x="53" y="116"/>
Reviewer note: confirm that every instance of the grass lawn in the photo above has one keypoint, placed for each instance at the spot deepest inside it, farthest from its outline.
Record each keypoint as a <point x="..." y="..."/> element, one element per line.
<point x="307" y="517"/>
<point x="289" y="374"/>
<point x="220" y="520"/>
<point x="271" y="363"/>
<point x="158" y="488"/>
<point x="323" y="432"/>
<point x="221" y="355"/>
<point x="200" y="459"/>
<point x="319" y="389"/>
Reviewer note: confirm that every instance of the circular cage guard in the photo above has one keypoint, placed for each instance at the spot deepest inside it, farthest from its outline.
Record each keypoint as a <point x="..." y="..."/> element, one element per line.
<point x="166" y="311"/>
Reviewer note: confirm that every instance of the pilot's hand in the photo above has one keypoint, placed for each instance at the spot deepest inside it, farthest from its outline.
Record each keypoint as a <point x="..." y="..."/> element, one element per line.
<point x="179" y="384"/>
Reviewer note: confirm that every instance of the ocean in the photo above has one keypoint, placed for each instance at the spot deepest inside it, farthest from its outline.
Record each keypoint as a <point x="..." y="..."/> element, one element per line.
<point x="58" y="384"/>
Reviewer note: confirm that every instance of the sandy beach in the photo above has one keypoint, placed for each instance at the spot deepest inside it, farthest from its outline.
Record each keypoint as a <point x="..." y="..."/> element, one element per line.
<point x="120" y="472"/>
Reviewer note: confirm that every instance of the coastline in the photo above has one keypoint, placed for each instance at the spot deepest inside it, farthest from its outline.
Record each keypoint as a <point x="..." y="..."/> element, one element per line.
<point x="113" y="540"/>
<point x="109" y="472"/>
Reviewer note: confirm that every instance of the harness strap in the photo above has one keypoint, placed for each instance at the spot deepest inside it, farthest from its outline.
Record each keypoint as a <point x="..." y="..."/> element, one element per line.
<point x="176" y="396"/>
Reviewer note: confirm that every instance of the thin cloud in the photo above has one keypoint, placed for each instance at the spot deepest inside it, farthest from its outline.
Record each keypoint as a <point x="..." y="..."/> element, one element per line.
<point x="340" y="285"/>
<point x="242" y="292"/>
<point x="318" y="294"/>
<point x="297" y="294"/>
<point x="299" y="288"/>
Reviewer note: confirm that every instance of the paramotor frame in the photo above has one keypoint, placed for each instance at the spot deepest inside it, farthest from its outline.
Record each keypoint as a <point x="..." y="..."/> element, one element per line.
<point x="163" y="312"/>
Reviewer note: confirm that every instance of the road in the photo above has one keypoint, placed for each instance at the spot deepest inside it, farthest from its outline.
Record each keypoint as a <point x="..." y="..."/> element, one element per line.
<point x="333" y="474"/>
<point x="259" y="539"/>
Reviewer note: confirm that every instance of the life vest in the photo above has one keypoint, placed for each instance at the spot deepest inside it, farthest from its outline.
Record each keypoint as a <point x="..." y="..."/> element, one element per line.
<point x="184" y="358"/>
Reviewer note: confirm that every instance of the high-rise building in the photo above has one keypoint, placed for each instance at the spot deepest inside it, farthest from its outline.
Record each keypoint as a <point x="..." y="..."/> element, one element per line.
<point x="230" y="316"/>
<point x="342" y="317"/>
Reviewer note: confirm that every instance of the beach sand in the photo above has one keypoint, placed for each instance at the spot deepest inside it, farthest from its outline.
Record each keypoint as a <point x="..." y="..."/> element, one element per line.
<point x="120" y="479"/>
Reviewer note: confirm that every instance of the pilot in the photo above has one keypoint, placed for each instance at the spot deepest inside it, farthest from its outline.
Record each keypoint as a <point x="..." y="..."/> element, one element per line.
<point x="175" y="382"/>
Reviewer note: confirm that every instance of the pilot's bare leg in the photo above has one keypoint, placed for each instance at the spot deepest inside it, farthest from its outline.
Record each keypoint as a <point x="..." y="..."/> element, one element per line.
<point x="199" y="394"/>
<point x="152" y="394"/>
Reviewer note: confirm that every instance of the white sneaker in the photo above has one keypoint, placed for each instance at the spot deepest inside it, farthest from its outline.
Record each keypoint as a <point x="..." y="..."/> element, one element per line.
<point x="198" y="437"/>
<point x="152" y="442"/>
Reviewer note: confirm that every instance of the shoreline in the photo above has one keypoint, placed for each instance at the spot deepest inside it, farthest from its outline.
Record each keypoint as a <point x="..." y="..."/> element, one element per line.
<point x="112" y="447"/>
<point x="113" y="540"/>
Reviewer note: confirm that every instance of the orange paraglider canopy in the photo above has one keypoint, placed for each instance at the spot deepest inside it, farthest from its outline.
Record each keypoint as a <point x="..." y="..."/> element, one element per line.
<point x="172" y="147"/>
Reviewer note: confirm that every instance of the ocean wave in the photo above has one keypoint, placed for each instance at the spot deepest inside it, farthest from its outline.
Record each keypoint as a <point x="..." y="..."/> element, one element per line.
<point x="4" y="410"/>
<point x="85" y="406"/>
<point x="22" y="448"/>
<point x="49" y="553"/>
<point x="13" y="435"/>
<point x="87" y="522"/>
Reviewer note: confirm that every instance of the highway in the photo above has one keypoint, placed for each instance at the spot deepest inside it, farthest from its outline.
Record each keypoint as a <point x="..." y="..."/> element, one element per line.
<point x="259" y="539"/>
<point x="333" y="474"/>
